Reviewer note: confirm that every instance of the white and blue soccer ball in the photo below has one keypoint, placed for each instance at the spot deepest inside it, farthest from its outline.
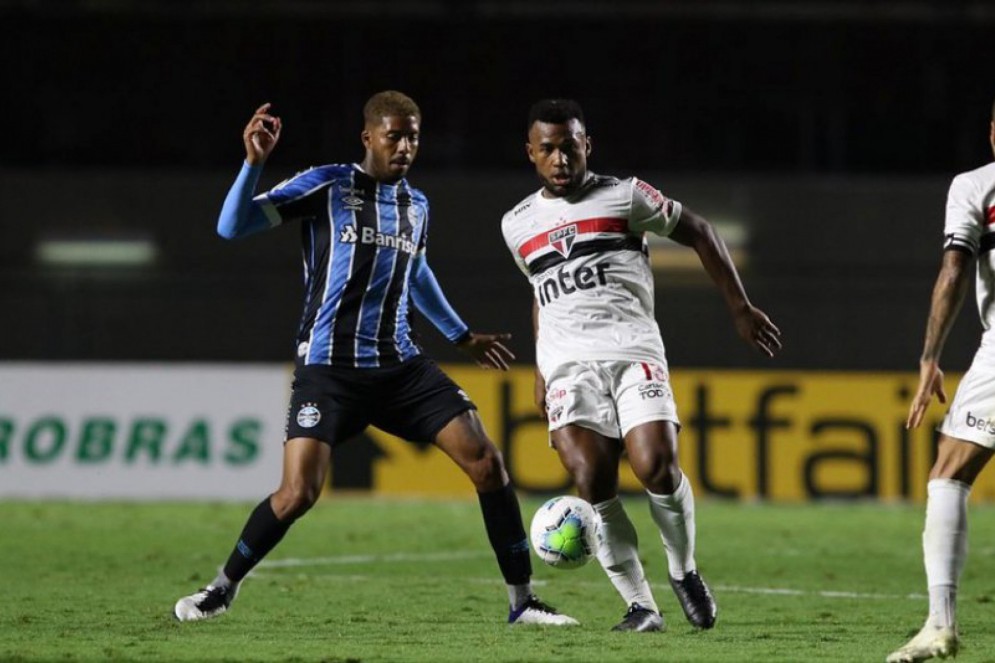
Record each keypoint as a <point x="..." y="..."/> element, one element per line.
<point x="565" y="532"/>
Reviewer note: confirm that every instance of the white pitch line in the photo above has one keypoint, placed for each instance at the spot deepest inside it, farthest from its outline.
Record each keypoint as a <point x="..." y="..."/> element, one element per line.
<point x="297" y="562"/>
<point x="829" y="594"/>
<point x="370" y="559"/>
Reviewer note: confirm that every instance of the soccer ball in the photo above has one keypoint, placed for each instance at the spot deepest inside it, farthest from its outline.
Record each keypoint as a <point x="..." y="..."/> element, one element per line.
<point x="565" y="532"/>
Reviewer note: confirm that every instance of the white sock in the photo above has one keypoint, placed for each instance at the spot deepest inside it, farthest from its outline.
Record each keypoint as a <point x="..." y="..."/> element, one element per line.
<point x="221" y="580"/>
<point x="943" y="605"/>
<point x="519" y="594"/>
<point x="944" y="546"/>
<point x="674" y="516"/>
<point x="619" y="555"/>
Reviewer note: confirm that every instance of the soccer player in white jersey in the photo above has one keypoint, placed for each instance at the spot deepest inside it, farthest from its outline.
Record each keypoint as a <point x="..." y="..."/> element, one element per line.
<point x="967" y="434"/>
<point x="602" y="380"/>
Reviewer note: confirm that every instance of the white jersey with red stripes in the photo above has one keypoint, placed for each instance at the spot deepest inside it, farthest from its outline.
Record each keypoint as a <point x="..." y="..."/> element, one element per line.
<point x="970" y="226"/>
<point x="586" y="258"/>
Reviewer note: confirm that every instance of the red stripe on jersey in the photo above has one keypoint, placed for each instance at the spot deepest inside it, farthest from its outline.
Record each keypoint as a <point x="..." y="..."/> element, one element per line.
<point x="646" y="370"/>
<point x="991" y="215"/>
<point x="598" y="225"/>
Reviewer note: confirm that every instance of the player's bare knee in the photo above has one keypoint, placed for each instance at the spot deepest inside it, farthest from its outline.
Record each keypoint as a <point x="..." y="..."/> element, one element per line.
<point x="960" y="461"/>
<point x="594" y="482"/>
<point x="954" y="469"/>
<point x="587" y="488"/>
<point x="293" y="501"/>
<point x="659" y="475"/>
<point x="487" y="470"/>
<point x="579" y="468"/>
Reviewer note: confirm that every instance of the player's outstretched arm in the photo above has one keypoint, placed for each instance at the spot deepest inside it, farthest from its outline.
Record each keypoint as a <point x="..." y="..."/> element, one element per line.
<point x="752" y="324"/>
<point x="948" y="296"/>
<point x="487" y="350"/>
<point x="240" y="215"/>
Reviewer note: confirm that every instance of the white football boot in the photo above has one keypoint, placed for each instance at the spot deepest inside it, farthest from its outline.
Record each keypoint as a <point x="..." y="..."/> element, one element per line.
<point x="931" y="642"/>
<point x="209" y="602"/>
<point x="534" y="611"/>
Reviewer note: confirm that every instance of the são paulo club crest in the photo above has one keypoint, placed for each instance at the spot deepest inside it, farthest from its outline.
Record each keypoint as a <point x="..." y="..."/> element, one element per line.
<point x="562" y="239"/>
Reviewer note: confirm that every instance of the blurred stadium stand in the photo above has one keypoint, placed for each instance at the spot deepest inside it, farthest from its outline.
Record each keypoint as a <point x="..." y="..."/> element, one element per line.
<point x="827" y="130"/>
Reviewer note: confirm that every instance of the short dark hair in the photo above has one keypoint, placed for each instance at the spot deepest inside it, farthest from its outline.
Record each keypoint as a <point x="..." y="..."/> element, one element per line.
<point x="555" y="111"/>
<point x="993" y="111"/>
<point x="389" y="103"/>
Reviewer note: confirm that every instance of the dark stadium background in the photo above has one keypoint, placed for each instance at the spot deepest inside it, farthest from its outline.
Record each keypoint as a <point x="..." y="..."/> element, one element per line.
<point x="830" y="130"/>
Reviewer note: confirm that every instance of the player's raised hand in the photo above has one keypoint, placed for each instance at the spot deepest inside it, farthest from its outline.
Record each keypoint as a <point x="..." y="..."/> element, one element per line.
<point x="260" y="135"/>
<point x="755" y="328"/>
<point x="488" y="350"/>
<point x="930" y="383"/>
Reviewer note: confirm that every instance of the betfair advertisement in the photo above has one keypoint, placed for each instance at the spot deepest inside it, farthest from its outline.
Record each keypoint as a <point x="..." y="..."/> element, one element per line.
<point x="142" y="431"/>
<point x="783" y="436"/>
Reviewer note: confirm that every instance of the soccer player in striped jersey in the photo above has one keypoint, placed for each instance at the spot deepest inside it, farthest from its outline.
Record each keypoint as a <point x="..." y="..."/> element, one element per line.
<point x="602" y="380"/>
<point x="967" y="433"/>
<point x="364" y="234"/>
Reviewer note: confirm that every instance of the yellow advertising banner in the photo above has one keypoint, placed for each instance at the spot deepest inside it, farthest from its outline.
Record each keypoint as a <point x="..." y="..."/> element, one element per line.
<point x="767" y="435"/>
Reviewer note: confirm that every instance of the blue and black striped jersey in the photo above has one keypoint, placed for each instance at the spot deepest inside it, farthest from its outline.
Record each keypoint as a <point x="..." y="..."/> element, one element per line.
<point x="360" y="239"/>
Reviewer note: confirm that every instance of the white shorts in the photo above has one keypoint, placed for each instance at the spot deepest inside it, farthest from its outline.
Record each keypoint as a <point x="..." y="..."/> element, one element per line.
<point x="609" y="397"/>
<point x="971" y="416"/>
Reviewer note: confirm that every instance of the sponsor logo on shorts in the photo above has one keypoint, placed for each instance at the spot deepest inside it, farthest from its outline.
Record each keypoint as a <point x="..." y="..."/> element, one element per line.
<point x="555" y="414"/>
<point x="554" y="410"/>
<point x="652" y="390"/>
<point x="308" y="416"/>
<point x="303" y="348"/>
<point x="659" y="373"/>
<point x="985" y="425"/>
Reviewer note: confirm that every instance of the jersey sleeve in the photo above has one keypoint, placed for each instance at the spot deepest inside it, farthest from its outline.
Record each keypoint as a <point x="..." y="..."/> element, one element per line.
<point x="428" y="297"/>
<point x="651" y="211"/>
<point x="964" y="223"/>
<point x="509" y="241"/>
<point x="240" y="215"/>
<point x="293" y="198"/>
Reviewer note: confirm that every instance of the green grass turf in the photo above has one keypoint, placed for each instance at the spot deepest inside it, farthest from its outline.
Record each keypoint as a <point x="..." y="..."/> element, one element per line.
<point x="97" y="582"/>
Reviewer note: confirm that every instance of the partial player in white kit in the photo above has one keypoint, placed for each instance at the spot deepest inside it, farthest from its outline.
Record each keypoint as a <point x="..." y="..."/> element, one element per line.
<point x="967" y="434"/>
<point x="602" y="380"/>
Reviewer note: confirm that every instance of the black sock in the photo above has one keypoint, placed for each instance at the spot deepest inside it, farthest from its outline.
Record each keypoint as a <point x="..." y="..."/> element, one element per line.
<point x="503" y="520"/>
<point x="261" y="534"/>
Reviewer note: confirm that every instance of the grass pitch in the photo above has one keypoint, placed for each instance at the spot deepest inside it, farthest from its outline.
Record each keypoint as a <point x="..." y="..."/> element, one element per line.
<point x="377" y="580"/>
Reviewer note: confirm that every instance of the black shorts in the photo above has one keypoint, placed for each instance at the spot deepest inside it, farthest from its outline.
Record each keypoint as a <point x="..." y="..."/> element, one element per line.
<point x="413" y="400"/>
